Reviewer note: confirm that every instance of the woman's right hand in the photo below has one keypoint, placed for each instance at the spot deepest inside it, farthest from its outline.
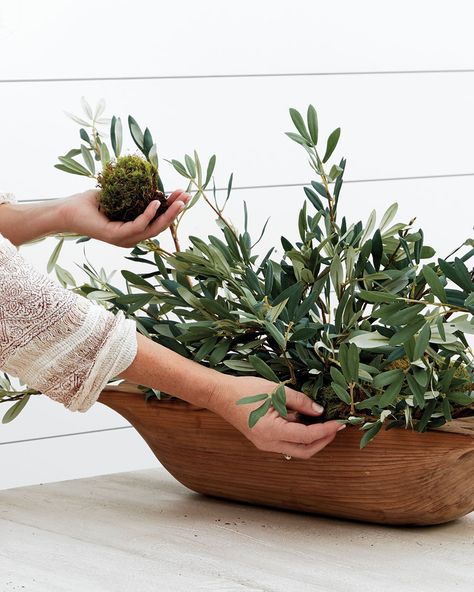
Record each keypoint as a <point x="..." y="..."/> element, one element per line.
<point x="273" y="433"/>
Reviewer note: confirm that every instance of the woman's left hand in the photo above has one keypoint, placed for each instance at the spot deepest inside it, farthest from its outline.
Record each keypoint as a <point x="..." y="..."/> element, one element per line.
<point x="81" y="215"/>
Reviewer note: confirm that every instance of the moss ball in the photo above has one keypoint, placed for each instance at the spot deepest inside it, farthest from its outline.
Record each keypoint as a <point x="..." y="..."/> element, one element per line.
<point x="400" y="364"/>
<point x="127" y="186"/>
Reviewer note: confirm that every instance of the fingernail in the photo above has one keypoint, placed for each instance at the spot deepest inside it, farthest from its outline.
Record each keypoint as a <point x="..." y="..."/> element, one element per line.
<point x="341" y="427"/>
<point x="181" y="206"/>
<point x="156" y="204"/>
<point x="317" y="407"/>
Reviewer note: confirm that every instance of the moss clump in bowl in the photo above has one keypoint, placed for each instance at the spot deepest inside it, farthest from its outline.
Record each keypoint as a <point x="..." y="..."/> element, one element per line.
<point x="128" y="185"/>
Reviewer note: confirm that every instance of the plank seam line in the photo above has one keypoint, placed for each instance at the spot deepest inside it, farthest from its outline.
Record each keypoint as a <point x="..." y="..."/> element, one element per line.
<point x="283" y="185"/>
<point x="66" y="435"/>
<point x="242" y="75"/>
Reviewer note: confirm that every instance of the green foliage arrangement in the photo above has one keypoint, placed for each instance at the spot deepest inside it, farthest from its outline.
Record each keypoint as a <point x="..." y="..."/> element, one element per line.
<point x="360" y="316"/>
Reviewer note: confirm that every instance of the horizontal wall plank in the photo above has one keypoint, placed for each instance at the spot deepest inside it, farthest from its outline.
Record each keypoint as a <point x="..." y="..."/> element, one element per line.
<point x="58" y="459"/>
<point x="390" y="128"/>
<point x="169" y="38"/>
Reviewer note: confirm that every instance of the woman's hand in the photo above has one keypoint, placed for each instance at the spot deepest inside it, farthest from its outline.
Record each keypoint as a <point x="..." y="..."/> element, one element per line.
<point x="80" y="214"/>
<point x="161" y="368"/>
<point x="274" y="433"/>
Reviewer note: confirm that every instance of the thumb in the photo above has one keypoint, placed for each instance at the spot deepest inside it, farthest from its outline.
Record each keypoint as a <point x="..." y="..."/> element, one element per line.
<point x="302" y="403"/>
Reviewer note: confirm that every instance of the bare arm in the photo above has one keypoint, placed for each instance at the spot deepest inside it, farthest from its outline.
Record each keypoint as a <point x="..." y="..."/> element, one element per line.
<point x="79" y="213"/>
<point x="158" y="367"/>
<point x="23" y="222"/>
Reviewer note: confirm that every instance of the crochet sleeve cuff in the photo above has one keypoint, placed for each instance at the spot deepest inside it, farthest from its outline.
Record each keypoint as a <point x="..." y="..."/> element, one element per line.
<point x="56" y="341"/>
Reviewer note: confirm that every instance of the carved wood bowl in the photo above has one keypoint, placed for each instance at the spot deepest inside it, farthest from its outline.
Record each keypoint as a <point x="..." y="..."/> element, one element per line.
<point x="402" y="477"/>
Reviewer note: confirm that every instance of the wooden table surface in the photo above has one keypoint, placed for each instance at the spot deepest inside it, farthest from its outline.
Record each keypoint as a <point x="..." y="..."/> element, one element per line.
<point x="142" y="531"/>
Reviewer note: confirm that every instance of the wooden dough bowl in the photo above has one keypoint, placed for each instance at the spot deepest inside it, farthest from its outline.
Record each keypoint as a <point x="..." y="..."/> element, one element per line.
<point x="402" y="477"/>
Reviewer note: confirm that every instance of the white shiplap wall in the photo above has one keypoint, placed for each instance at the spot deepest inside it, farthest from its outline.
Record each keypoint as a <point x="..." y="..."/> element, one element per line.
<point x="219" y="77"/>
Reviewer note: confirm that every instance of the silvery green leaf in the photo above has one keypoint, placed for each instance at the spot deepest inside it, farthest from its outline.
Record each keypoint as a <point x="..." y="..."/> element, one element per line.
<point x="78" y="119"/>
<point x="332" y="143"/>
<point x="86" y="108"/>
<point x="190" y="165"/>
<point x="275" y="311"/>
<point x="259" y="413"/>
<point x="277" y="336"/>
<point x="198" y="168"/>
<point x="263" y="369"/>
<point x="364" y="375"/>
<point x="421" y="342"/>
<point x="296" y="138"/>
<point x="464" y="323"/>
<point x="337" y="272"/>
<point x="341" y="392"/>
<point x="54" y="256"/>
<point x="388" y="216"/>
<point x="370" y="434"/>
<point x="153" y="156"/>
<point x="73" y="165"/>
<point x="147" y="142"/>
<point x="180" y="168"/>
<point x="350" y="262"/>
<point x="104" y="154"/>
<point x="300" y="125"/>
<point x="100" y="108"/>
<point x="279" y="400"/>
<point x="353" y="420"/>
<point x="239" y="365"/>
<point x="448" y="337"/>
<point x="210" y="169"/>
<point x="99" y="295"/>
<point x="252" y="399"/>
<point x="64" y="276"/>
<point x="369" y="227"/>
<point x="116" y="135"/>
<point x="312" y="119"/>
<point x="401" y="336"/>
<point x="369" y="340"/>
<point x="461" y="398"/>
<point x="135" y="132"/>
<point x="86" y="155"/>
<point x="338" y="377"/>
<point x="469" y="302"/>
<point x="434" y="282"/>
<point x="386" y="378"/>
<point x="393" y="230"/>
<point x="377" y="297"/>
<point x="15" y="409"/>
<point x="334" y="173"/>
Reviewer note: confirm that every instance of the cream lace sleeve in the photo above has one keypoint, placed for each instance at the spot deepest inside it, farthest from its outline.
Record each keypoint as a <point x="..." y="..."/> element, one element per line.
<point x="54" y="340"/>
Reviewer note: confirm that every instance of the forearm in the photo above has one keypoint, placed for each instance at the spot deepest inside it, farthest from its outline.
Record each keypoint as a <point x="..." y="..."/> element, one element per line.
<point x="23" y="222"/>
<point x="161" y="368"/>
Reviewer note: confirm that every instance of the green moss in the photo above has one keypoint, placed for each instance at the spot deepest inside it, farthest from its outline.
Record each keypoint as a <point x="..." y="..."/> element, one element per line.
<point x="127" y="186"/>
<point x="334" y="408"/>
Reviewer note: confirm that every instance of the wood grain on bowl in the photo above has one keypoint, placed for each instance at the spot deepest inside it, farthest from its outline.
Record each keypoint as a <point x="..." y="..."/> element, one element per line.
<point x="401" y="477"/>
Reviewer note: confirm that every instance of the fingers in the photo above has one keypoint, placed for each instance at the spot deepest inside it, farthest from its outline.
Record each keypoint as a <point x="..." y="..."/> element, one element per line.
<point x="143" y="227"/>
<point x="177" y="194"/>
<point x="306" y="434"/>
<point x="302" y="403"/>
<point x="292" y="416"/>
<point x="143" y="220"/>
<point x="165" y="219"/>
<point x="305" y="451"/>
